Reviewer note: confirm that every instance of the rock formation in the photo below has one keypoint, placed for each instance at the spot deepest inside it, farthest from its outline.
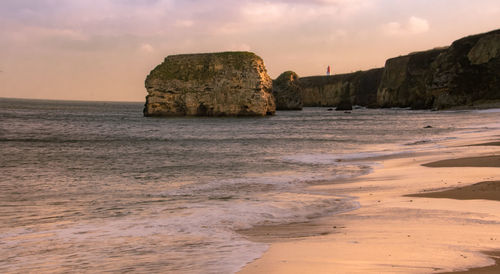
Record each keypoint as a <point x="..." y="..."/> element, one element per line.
<point x="360" y="88"/>
<point x="345" y="101"/>
<point x="287" y="91"/>
<point x="212" y="84"/>
<point x="468" y="72"/>
<point x="237" y="84"/>
<point x="404" y="80"/>
<point x="465" y="73"/>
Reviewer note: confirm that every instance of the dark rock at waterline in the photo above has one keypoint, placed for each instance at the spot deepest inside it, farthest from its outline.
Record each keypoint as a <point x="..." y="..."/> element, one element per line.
<point x="344" y="105"/>
<point x="287" y="91"/>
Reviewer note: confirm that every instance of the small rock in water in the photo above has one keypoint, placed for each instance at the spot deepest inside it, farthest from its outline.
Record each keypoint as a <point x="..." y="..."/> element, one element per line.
<point x="428" y="127"/>
<point x="330" y="109"/>
<point x="344" y="105"/>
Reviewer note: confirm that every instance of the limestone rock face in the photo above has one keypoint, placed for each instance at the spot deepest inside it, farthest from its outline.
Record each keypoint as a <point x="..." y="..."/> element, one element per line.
<point x="468" y="72"/>
<point x="211" y="84"/>
<point x="287" y="91"/>
<point x="405" y="79"/>
<point x="463" y="74"/>
<point x="358" y="88"/>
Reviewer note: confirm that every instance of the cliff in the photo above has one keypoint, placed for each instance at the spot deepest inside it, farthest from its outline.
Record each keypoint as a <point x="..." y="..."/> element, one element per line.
<point x="465" y="73"/>
<point x="287" y="91"/>
<point x="405" y="79"/>
<point x="236" y="83"/>
<point x="360" y="87"/>
<point x="211" y="84"/>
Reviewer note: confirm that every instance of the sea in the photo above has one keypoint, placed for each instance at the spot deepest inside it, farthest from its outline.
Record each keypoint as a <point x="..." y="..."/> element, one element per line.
<point x="92" y="187"/>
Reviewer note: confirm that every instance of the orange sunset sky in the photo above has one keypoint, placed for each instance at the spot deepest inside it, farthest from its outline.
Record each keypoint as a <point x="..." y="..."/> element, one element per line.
<point x="103" y="49"/>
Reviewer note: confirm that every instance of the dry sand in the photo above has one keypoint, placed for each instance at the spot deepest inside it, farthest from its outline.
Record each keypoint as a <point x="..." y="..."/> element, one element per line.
<point x="393" y="233"/>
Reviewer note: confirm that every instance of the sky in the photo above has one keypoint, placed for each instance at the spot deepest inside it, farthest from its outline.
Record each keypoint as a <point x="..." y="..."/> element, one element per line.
<point x="102" y="50"/>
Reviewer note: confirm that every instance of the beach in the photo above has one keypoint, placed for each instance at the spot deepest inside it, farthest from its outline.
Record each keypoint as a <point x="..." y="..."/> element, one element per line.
<point x="94" y="187"/>
<point x="436" y="211"/>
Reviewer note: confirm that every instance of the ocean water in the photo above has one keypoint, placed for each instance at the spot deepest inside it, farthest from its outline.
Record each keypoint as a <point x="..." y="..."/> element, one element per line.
<point x="96" y="187"/>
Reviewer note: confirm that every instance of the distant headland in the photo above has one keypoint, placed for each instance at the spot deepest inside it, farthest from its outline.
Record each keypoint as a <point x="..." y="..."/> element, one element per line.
<point x="465" y="74"/>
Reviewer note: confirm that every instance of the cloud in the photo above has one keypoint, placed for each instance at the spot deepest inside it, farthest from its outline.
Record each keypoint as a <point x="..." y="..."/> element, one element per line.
<point x="146" y="48"/>
<point x="414" y="25"/>
<point x="264" y="12"/>
<point x="418" y="25"/>
<point x="184" y="23"/>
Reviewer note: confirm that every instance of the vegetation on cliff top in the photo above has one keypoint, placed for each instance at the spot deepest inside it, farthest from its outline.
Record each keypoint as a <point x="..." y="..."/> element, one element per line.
<point x="202" y="66"/>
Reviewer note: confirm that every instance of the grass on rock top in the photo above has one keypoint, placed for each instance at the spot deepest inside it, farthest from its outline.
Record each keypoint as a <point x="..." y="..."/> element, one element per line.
<point x="201" y="66"/>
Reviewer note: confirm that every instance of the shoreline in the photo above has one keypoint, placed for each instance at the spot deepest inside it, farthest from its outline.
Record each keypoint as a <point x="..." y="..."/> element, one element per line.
<point x="491" y="269"/>
<point x="401" y="219"/>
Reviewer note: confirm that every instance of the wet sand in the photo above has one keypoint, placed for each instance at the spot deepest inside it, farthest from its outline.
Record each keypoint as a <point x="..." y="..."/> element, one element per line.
<point x="478" y="191"/>
<point x="286" y="232"/>
<point x="482" y="161"/>
<point x="488" y="144"/>
<point x="483" y="190"/>
<point x="492" y="269"/>
<point x="392" y="232"/>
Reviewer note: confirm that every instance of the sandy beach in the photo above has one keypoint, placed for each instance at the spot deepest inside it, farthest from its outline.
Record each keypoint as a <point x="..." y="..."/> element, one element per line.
<point x="427" y="212"/>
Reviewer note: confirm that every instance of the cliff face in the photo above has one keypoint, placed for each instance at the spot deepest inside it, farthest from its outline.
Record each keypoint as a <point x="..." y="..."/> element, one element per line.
<point x="405" y="79"/>
<point x="212" y="84"/>
<point x="360" y="87"/>
<point x="287" y="91"/>
<point x="469" y="71"/>
<point x="466" y="72"/>
<point x="237" y="84"/>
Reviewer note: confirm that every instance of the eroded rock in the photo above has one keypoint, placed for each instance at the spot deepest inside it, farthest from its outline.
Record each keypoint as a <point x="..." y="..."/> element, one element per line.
<point x="466" y="73"/>
<point x="287" y="91"/>
<point x="211" y="84"/>
<point x="359" y="88"/>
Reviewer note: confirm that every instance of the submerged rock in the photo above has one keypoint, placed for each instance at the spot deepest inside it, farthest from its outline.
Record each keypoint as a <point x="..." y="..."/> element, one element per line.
<point x="287" y="91"/>
<point x="211" y="84"/>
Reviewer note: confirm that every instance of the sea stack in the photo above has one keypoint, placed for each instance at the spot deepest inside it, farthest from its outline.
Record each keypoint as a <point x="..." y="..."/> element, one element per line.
<point x="287" y="91"/>
<point x="210" y="84"/>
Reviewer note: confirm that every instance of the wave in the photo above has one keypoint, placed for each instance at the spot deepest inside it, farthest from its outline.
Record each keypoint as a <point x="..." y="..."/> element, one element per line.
<point x="328" y="159"/>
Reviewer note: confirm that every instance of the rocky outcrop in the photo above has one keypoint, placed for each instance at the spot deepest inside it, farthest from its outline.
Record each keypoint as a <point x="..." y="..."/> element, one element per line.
<point x="468" y="72"/>
<point x="212" y="84"/>
<point x="465" y="73"/>
<point x="404" y="80"/>
<point x="360" y="88"/>
<point x="344" y="104"/>
<point x="287" y="91"/>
